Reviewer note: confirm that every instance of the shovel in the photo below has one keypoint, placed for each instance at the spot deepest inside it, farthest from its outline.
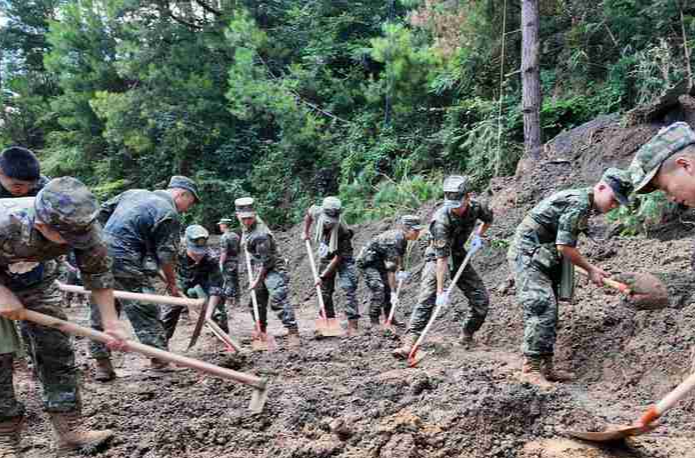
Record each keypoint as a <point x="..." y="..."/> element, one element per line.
<point x="261" y="341"/>
<point x="388" y="324"/>
<point x="644" y="291"/>
<point x="413" y="357"/>
<point x="260" y="385"/>
<point x="205" y="318"/>
<point x="327" y="327"/>
<point x="645" y="422"/>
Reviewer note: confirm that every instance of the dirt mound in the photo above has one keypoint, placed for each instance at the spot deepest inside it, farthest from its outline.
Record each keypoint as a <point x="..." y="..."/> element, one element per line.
<point x="349" y="398"/>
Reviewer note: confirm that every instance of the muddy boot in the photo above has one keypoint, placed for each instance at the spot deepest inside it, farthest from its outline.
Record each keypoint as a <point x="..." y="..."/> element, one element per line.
<point x="160" y="366"/>
<point x="551" y="373"/>
<point x="374" y="322"/>
<point x="353" y="327"/>
<point x="293" y="340"/>
<point x="403" y="351"/>
<point x="531" y="373"/>
<point x="10" y="434"/>
<point x="71" y="434"/>
<point x="466" y="339"/>
<point x="398" y="324"/>
<point x="103" y="370"/>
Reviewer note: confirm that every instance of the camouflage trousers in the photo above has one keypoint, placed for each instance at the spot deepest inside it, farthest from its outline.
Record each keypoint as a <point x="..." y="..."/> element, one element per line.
<point x="348" y="281"/>
<point x="275" y="289"/>
<point x="536" y="292"/>
<point x="379" y="291"/>
<point x="230" y="274"/>
<point x="145" y="318"/>
<point x="172" y="313"/>
<point x="51" y="352"/>
<point x="469" y="283"/>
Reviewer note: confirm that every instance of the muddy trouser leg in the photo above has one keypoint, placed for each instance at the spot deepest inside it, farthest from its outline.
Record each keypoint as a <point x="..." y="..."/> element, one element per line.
<point x="535" y="292"/>
<point x="231" y="283"/>
<point x="426" y="300"/>
<point x="262" y="299"/>
<point x="170" y="319"/>
<point x="387" y="293"/>
<point x="474" y="289"/>
<point x="377" y="291"/>
<point x="278" y="285"/>
<point x="348" y="281"/>
<point x="52" y="350"/>
<point x="328" y="288"/>
<point x="9" y="406"/>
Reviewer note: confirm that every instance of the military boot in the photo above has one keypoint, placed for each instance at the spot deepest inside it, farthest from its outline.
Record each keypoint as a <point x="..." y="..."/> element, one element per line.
<point x="466" y="339"/>
<point x="403" y="351"/>
<point x="103" y="370"/>
<point x="353" y="327"/>
<point x="531" y="373"/>
<point x="553" y="374"/>
<point x="10" y="435"/>
<point x="293" y="340"/>
<point x="374" y="322"/>
<point x="71" y="434"/>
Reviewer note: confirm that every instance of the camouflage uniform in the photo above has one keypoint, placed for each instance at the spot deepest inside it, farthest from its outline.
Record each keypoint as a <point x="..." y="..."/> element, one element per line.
<point x="189" y="275"/>
<point x="535" y="261"/>
<point x="262" y="249"/>
<point x="138" y="222"/>
<point x="346" y="269"/>
<point x="381" y="255"/>
<point x="449" y="233"/>
<point x="28" y="269"/>
<point x="230" y="244"/>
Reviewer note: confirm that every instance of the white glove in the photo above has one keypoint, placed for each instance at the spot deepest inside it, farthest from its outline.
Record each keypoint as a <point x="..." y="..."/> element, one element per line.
<point x="476" y="243"/>
<point x="443" y="299"/>
<point x="323" y="250"/>
<point x="402" y="275"/>
<point x="394" y="300"/>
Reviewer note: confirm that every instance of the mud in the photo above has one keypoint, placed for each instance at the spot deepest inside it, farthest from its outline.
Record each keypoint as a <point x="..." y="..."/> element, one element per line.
<point x="349" y="398"/>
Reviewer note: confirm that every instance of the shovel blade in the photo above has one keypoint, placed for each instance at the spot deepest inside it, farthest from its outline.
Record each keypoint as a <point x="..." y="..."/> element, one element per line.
<point x="258" y="399"/>
<point x="329" y="328"/>
<point x="415" y="358"/>
<point x="610" y="435"/>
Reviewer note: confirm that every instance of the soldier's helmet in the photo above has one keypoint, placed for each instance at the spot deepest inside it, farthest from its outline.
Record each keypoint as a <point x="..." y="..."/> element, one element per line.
<point x="652" y="154"/>
<point x="411" y="222"/>
<point x="244" y="207"/>
<point x="332" y="207"/>
<point x="197" y="239"/>
<point x="455" y="188"/>
<point x="69" y="207"/>
<point x="179" y="181"/>
<point x="619" y="181"/>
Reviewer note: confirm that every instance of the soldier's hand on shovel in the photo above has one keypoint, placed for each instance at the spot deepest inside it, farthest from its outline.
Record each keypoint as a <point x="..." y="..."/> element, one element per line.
<point x="394" y="300"/>
<point x="596" y="275"/>
<point x="318" y="282"/>
<point x="117" y="332"/>
<point x="10" y="306"/>
<point x="443" y="298"/>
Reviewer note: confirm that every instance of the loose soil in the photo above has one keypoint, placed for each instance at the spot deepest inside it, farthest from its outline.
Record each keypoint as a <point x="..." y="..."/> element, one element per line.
<point x="347" y="397"/>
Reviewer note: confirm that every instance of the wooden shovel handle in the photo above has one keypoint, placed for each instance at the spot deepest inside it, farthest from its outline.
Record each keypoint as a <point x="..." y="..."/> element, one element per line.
<point x="72" y="328"/>
<point x="669" y="401"/>
<point x="319" y="295"/>
<point x="151" y="298"/>
<point x="622" y="287"/>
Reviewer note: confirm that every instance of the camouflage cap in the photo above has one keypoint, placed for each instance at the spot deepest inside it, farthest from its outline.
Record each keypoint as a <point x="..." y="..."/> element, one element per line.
<point x="244" y="207"/>
<point x="197" y="239"/>
<point x="69" y="207"/>
<point x="651" y="155"/>
<point x="332" y="207"/>
<point x="411" y="222"/>
<point x="181" y="182"/>
<point x="620" y="183"/>
<point x="455" y="187"/>
<point x="226" y="221"/>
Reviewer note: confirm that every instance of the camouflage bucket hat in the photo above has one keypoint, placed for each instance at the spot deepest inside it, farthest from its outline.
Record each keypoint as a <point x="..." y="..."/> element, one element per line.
<point x="186" y="183"/>
<point x="69" y="207"/>
<point x="411" y="222"/>
<point x="244" y="207"/>
<point x="332" y="207"/>
<point x="226" y="221"/>
<point x="454" y="187"/>
<point x="197" y="239"/>
<point x="651" y="155"/>
<point x="620" y="183"/>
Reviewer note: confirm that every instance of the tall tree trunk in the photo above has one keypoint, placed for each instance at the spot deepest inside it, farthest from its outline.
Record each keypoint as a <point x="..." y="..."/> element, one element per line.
<point x="531" y="82"/>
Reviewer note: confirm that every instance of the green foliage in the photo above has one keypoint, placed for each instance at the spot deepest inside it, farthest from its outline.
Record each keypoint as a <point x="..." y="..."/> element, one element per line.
<point x="646" y="212"/>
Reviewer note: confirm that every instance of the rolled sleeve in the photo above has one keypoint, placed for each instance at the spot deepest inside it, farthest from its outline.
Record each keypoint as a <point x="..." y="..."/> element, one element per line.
<point x="485" y="214"/>
<point x="440" y="240"/>
<point x="166" y="240"/>
<point x="569" y="227"/>
<point x="95" y="267"/>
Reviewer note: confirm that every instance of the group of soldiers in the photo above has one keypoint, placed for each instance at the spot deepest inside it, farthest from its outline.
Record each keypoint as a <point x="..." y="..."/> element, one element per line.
<point x="42" y="220"/>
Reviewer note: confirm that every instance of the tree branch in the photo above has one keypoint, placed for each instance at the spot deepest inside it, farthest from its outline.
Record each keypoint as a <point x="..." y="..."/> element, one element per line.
<point x="208" y="8"/>
<point x="184" y="22"/>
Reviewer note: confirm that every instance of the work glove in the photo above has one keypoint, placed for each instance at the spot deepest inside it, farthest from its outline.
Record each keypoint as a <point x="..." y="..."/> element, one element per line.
<point x="443" y="298"/>
<point x="476" y="243"/>
<point x="394" y="300"/>
<point x="402" y="276"/>
<point x="323" y="250"/>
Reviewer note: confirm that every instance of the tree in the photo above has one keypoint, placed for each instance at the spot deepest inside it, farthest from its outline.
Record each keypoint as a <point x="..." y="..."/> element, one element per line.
<point x="531" y="82"/>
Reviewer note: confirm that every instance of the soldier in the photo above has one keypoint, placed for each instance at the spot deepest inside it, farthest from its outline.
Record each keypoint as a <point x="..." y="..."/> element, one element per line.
<point x="20" y="173"/>
<point x="334" y="241"/>
<point x="269" y="271"/>
<point x="544" y="241"/>
<point x="33" y="233"/>
<point x="198" y="274"/>
<point x="381" y="263"/>
<point x="137" y="223"/>
<point x="450" y="227"/>
<point x="229" y="260"/>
